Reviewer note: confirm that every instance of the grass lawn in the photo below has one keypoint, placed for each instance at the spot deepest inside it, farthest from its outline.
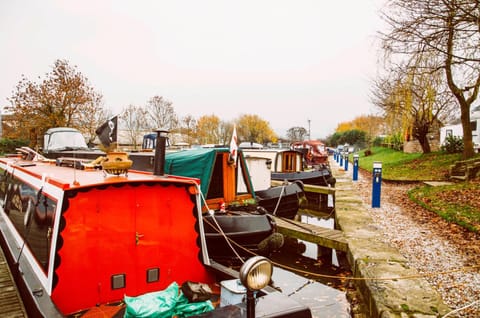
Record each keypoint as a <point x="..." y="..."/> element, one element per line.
<point x="458" y="203"/>
<point x="397" y="165"/>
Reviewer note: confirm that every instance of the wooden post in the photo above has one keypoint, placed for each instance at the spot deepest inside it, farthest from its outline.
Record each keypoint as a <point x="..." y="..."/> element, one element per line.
<point x="324" y="254"/>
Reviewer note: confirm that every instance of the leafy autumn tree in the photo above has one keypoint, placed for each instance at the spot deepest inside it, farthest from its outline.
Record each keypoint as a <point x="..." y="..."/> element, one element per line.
<point x="58" y="100"/>
<point x="135" y="120"/>
<point x="252" y="128"/>
<point x="208" y="129"/>
<point x="371" y="125"/>
<point x="446" y="33"/>
<point x="344" y="126"/>
<point x="161" y="114"/>
<point x="296" y="133"/>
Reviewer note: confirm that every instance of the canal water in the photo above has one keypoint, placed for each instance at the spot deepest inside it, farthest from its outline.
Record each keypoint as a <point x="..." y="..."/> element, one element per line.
<point x="317" y="283"/>
<point x="323" y="300"/>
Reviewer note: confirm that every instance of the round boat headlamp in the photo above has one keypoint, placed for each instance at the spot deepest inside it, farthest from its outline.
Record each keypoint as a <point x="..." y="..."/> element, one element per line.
<point x="256" y="273"/>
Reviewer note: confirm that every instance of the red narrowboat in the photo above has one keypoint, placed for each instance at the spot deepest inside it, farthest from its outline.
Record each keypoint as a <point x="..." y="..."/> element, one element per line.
<point x="82" y="239"/>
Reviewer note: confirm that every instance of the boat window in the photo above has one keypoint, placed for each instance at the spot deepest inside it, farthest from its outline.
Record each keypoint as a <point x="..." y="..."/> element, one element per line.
<point x="320" y="148"/>
<point x="289" y="162"/>
<point x="215" y="189"/>
<point x="242" y="184"/>
<point x="67" y="139"/>
<point x="31" y="213"/>
<point x="473" y="125"/>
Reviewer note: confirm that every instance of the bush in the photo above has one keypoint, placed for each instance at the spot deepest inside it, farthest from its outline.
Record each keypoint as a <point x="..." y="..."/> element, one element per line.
<point x="10" y="145"/>
<point x="378" y="141"/>
<point x="453" y="144"/>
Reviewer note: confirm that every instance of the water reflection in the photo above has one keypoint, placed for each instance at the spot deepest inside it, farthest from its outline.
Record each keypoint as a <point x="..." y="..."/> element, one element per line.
<point x="312" y="249"/>
<point x="322" y="300"/>
<point x="302" y="257"/>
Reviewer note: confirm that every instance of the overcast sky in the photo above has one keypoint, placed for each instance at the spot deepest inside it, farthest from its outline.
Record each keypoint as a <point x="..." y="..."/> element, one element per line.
<point x="285" y="61"/>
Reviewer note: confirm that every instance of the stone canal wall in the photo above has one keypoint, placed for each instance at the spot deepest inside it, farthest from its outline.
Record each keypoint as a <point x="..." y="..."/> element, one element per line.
<point x="389" y="288"/>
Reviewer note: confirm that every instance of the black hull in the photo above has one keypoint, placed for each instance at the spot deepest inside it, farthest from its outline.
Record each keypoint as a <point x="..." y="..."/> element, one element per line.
<point x="247" y="230"/>
<point x="321" y="177"/>
<point x="282" y="201"/>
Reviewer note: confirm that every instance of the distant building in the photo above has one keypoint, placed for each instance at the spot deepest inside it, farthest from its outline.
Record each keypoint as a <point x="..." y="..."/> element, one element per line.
<point x="456" y="129"/>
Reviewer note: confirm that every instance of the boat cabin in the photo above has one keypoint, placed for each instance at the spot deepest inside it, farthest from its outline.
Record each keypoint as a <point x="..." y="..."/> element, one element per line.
<point x="222" y="181"/>
<point x="314" y="151"/>
<point x="288" y="161"/>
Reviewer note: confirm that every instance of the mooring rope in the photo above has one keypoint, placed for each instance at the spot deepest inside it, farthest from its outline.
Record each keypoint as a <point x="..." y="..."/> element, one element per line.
<point x="279" y="199"/>
<point x="219" y="228"/>
<point x="462" y="308"/>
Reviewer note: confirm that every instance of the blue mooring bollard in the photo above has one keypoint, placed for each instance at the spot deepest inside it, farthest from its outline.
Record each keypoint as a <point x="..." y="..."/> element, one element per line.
<point x="346" y="161"/>
<point x="341" y="159"/>
<point x="376" y="184"/>
<point x="355" y="167"/>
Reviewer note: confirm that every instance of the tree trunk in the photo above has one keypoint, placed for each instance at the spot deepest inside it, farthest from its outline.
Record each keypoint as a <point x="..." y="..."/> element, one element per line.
<point x="467" y="131"/>
<point x="464" y="102"/>
<point x="425" y="144"/>
<point x="421" y="133"/>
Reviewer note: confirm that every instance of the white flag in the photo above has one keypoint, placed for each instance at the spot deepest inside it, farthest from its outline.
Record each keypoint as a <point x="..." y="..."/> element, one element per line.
<point x="234" y="147"/>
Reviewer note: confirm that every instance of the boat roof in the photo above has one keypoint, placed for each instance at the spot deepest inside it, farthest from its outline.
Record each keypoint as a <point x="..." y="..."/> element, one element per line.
<point x="308" y="142"/>
<point x="250" y="145"/>
<point x="197" y="163"/>
<point x="67" y="178"/>
<point x="58" y="129"/>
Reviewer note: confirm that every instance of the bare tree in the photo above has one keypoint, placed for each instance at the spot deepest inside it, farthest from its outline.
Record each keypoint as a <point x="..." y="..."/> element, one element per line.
<point x="135" y="120"/>
<point x="225" y="129"/>
<point x="296" y="133"/>
<point x="188" y="126"/>
<point x="94" y="116"/>
<point x="413" y="101"/>
<point x="161" y="113"/>
<point x="447" y="32"/>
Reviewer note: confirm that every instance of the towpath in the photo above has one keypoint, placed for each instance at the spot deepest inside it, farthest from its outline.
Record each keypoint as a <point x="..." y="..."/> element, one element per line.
<point x="440" y="251"/>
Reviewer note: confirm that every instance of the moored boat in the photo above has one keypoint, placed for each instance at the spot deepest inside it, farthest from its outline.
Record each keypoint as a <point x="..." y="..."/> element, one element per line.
<point x="230" y="206"/>
<point x="283" y="200"/>
<point x="81" y="240"/>
<point x="290" y="165"/>
<point x="314" y="151"/>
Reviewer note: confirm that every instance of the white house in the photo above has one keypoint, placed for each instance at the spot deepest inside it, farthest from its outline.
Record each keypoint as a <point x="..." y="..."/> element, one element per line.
<point x="457" y="130"/>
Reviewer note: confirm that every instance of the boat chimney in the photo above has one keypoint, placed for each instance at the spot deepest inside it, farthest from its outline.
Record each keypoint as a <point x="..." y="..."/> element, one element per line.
<point x="160" y="146"/>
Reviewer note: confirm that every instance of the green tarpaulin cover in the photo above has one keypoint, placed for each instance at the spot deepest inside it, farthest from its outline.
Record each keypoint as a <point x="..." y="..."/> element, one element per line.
<point x="167" y="303"/>
<point x="194" y="163"/>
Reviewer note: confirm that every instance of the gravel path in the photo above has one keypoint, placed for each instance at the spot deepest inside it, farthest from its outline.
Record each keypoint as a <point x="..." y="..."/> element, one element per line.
<point x="440" y="250"/>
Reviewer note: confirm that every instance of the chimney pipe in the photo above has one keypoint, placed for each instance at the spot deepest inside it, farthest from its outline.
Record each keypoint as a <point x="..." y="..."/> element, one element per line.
<point x="160" y="145"/>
